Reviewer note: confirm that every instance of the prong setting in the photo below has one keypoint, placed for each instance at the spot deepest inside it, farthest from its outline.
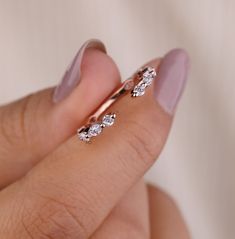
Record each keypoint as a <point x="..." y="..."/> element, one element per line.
<point x="96" y="128"/>
<point x="83" y="135"/>
<point x="108" y="119"/>
<point x="146" y="76"/>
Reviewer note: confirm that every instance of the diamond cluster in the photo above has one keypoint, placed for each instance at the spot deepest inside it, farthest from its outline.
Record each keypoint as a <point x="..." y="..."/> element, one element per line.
<point x="96" y="128"/>
<point x="146" y="77"/>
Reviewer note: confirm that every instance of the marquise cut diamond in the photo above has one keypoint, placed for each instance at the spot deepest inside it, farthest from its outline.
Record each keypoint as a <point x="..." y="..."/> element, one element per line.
<point x="94" y="129"/>
<point x="139" y="90"/>
<point x="147" y="76"/>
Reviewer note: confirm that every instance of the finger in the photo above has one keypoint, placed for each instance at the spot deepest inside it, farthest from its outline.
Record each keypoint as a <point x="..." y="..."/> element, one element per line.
<point x="78" y="184"/>
<point x="129" y="219"/>
<point x="165" y="218"/>
<point x="30" y="128"/>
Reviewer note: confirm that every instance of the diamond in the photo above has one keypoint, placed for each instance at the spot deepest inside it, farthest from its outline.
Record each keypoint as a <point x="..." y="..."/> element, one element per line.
<point x="84" y="136"/>
<point x="94" y="130"/>
<point x="148" y="75"/>
<point x="108" y="119"/>
<point x="148" y="80"/>
<point x="139" y="90"/>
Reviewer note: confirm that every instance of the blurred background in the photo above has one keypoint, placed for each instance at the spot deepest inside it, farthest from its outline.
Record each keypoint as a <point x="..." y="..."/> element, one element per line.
<point x="39" y="38"/>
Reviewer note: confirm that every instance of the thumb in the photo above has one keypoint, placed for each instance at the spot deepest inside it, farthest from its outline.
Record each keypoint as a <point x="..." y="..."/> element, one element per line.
<point x="33" y="126"/>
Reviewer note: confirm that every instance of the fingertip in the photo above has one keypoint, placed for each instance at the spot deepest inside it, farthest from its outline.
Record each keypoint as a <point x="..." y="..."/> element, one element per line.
<point x="172" y="78"/>
<point x="100" y="67"/>
<point x="72" y="75"/>
<point x="99" y="77"/>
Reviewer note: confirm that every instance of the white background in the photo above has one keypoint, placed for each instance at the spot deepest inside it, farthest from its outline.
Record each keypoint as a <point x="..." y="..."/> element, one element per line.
<point x="39" y="38"/>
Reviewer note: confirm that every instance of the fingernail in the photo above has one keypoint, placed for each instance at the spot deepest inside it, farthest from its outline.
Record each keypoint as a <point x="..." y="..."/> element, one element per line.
<point x="173" y="72"/>
<point x="72" y="75"/>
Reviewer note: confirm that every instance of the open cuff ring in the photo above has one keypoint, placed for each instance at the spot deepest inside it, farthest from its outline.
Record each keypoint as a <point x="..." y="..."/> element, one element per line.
<point x="136" y="85"/>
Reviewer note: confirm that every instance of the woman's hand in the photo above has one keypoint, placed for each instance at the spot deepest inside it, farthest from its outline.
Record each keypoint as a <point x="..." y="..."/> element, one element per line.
<point x="54" y="186"/>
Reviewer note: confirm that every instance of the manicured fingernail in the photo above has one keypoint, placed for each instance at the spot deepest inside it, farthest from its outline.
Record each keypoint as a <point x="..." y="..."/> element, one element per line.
<point x="72" y="75"/>
<point x="172" y="77"/>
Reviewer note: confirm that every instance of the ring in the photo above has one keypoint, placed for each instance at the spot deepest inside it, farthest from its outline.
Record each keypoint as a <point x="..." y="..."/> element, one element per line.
<point x="145" y="77"/>
<point x="136" y="85"/>
<point x="94" y="127"/>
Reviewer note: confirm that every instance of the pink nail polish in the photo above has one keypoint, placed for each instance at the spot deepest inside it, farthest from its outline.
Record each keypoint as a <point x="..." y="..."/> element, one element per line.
<point x="72" y="75"/>
<point x="172" y="77"/>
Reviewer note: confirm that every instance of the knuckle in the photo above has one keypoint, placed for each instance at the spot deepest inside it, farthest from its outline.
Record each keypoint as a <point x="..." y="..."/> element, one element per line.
<point x="58" y="209"/>
<point x="23" y="122"/>
<point x="13" y="120"/>
<point x="19" y="120"/>
<point x="53" y="219"/>
<point x="140" y="141"/>
<point x="53" y="210"/>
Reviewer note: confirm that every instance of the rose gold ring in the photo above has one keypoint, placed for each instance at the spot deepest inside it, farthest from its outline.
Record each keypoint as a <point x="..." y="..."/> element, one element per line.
<point x="136" y="85"/>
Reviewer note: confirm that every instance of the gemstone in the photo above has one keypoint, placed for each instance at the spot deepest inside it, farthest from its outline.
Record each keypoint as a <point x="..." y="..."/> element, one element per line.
<point x="148" y="75"/>
<point x="84" y="136"/>
<point x="94" y="130"/>
<point x="108" y="119"/>
<point x="139" y="90"/>
<point x="148" y="80"/>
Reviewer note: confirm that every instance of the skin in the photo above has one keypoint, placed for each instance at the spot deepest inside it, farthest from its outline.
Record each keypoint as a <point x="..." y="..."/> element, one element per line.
<point x="54" y="186"/>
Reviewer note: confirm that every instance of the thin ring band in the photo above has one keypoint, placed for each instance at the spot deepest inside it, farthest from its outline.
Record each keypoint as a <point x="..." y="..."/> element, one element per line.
<point x="136" y="84"/>
<point x="121" y="91"/>
<point x="92" y="127"/>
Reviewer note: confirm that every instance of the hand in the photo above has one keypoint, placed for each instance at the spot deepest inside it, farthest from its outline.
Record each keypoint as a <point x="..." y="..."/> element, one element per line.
<point x="54" y="186"/>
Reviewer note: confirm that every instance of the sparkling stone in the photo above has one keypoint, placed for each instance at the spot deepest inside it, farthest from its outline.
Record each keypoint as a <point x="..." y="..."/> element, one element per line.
<point x="139" y="90"/>
<point x="148" y="75"/>
<point x="94" y="130"/>
<point x="149" y="71"/>
<point x="148" y="80"/>
<point x="83" y="136"/>
<point x="108" y="119"/>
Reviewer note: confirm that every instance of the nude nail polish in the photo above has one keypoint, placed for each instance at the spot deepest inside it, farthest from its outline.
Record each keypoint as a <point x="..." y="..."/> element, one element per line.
<point x="171" y="81"/>
<point x="72" y="75"/>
